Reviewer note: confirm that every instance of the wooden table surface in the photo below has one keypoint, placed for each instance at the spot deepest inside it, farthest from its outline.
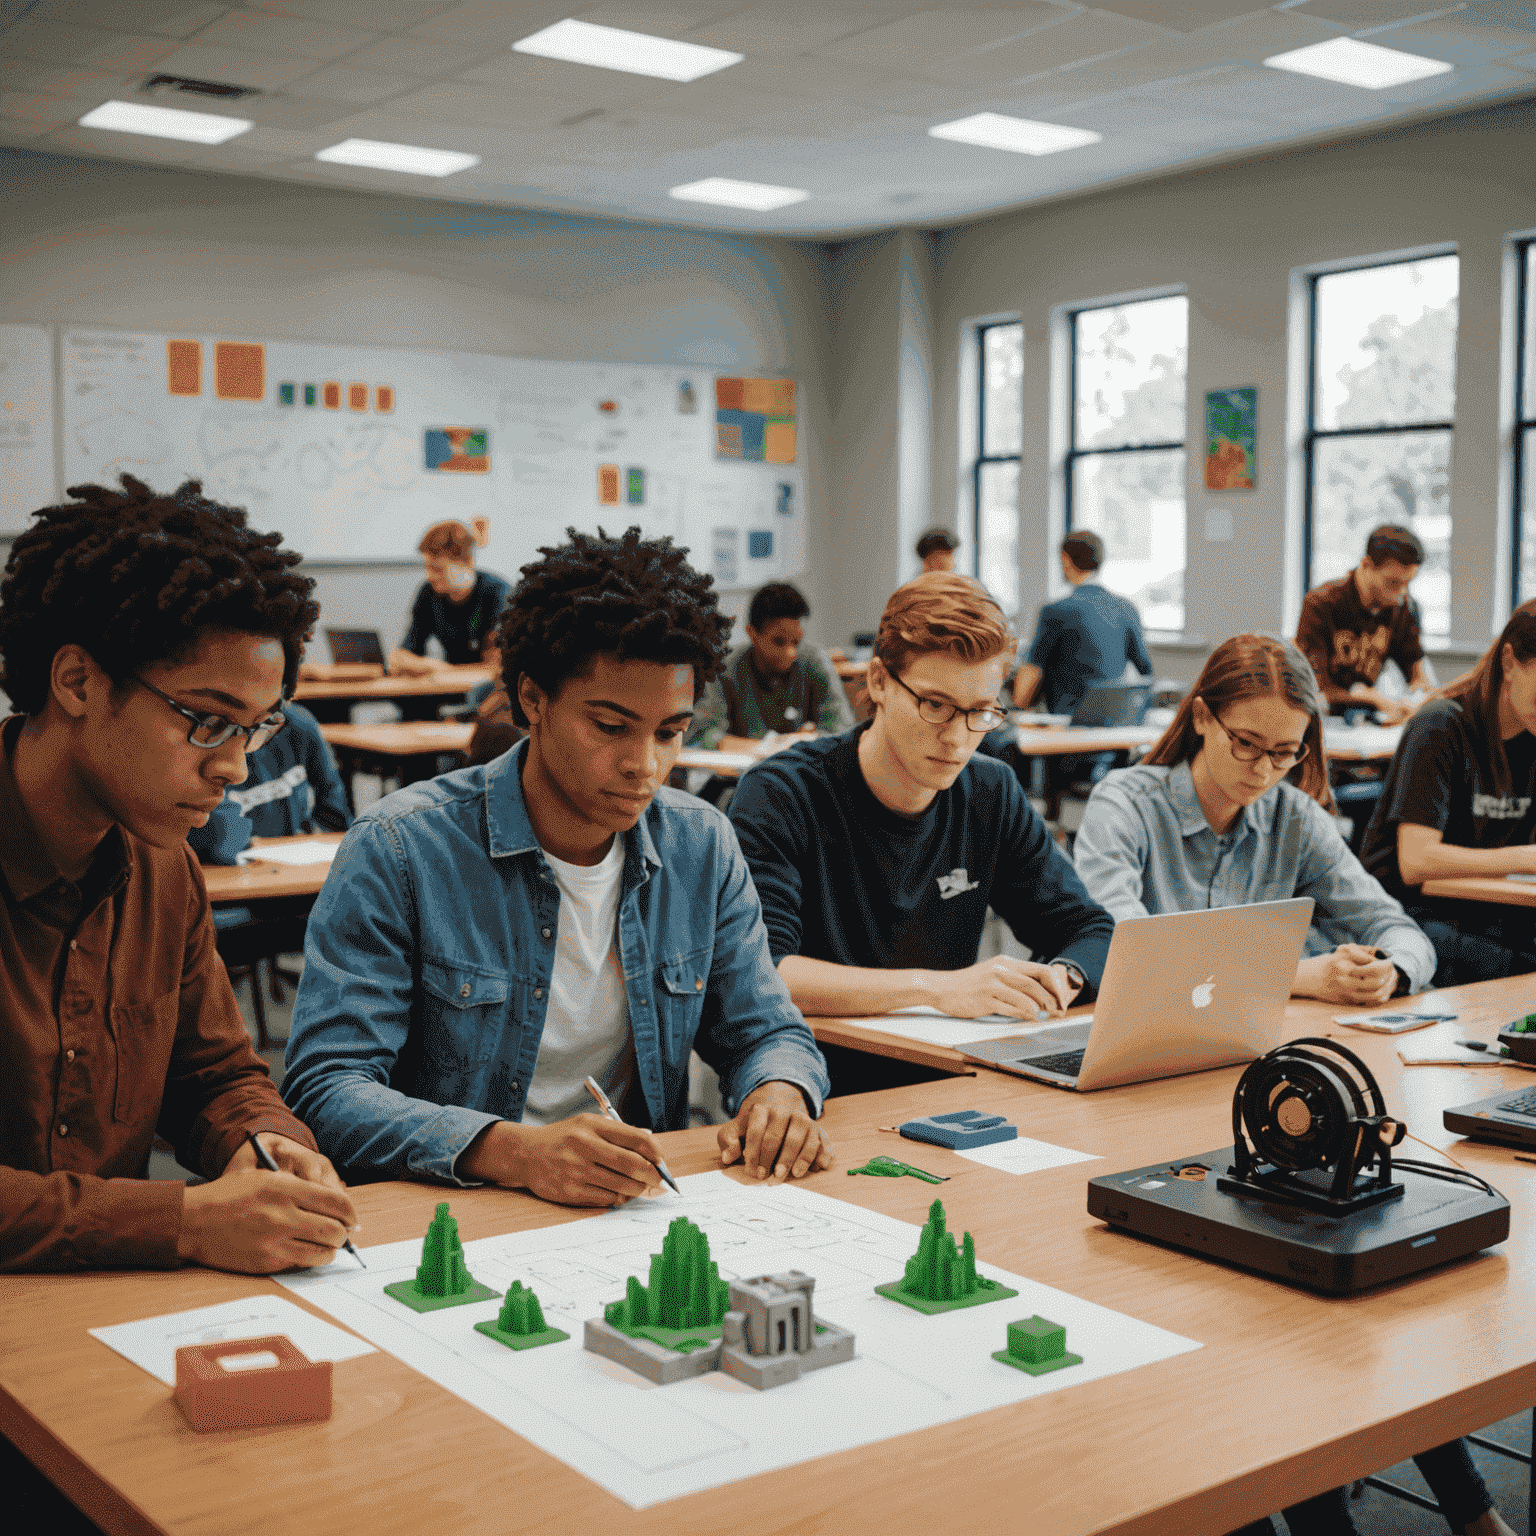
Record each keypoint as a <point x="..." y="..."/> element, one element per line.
<point x="401" y="738"/>
<point x="1508" y="893"/>
<point x="445" y="680"/>
<point x="1342" y="744"/>
<point x="1292" y="1393"/>
<point x="260" y="878"/>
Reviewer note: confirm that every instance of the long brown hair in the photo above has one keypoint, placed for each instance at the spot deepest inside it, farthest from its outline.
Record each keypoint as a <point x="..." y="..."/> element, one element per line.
<point x="1478" y="691"/>
<point x="1253" y="667"/>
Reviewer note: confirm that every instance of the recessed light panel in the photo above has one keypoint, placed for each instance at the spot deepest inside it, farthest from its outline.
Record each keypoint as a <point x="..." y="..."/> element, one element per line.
<point x="992" y="130"/>
<point x="408" y="158"/>
<point x="726" y="193"/>
<point x="165" y="122"/>
<point x="636" y="53"/>
<point x="1348" y="61"/>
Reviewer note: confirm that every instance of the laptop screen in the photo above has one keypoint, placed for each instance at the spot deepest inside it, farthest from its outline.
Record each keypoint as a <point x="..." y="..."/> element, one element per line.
<point x="355" y="645"/>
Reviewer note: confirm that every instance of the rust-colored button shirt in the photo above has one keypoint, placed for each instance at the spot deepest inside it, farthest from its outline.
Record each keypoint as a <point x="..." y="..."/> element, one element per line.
<point x="116" y="1019"/>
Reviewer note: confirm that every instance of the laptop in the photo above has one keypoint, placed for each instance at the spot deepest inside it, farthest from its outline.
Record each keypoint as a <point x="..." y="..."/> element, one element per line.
<point x="1182" y="992"/>
<point x="1508" y="1117"/>
<point x="1111" y="704"/>
<point x="350" y="647"/>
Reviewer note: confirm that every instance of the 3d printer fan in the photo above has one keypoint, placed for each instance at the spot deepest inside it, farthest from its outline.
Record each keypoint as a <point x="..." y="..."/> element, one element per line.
<point x="1309" y="1126"/>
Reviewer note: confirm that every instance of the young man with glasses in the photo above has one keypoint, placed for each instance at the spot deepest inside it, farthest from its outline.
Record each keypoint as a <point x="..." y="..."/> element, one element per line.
<point x="147" y="642"/>
<point x="1232" y="806"/>
<point x="877" y="853"/>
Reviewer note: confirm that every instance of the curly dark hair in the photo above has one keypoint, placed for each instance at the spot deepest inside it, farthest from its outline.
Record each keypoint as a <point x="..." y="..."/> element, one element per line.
<point x="135" y="578"/>
<point x="631" y="598"/>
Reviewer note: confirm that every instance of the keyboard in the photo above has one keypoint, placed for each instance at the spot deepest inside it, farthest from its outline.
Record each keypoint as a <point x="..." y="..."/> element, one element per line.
<point x="1521" y="1104"/>
<point x="1068" y="1063"/>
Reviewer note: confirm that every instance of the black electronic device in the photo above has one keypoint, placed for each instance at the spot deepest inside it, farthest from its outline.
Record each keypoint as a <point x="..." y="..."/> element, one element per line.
<point x="1113" y="704"/>
<point x="1519" y="1040"/>
<point x="355" y="646"/>
<point x="1309" y="1191"/>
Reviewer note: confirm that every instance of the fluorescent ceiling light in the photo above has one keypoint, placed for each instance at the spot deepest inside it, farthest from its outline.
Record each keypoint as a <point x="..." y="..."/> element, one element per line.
<point x="756" y="195"/>
<point x="636" y="53"/>
<point x="410" y="158"/>
<point x="994" y="131"/>
<point x="1350" y="62"/>
<point x="165" y="122"/>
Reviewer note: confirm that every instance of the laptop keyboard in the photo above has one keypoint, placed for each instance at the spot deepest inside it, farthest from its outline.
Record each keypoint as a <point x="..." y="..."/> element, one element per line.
<point x="1069" y="1063"/>
<point x="1521" y="1104"/>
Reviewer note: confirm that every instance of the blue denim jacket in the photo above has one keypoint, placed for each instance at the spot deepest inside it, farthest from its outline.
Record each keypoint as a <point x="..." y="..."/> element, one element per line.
<point x="428" y="958"/>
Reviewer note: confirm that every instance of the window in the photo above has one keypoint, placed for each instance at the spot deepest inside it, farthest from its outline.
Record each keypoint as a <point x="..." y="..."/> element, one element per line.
<point x="1125" y="457"/>
<point x="1383" y="403"/>
<point x="1525" y="428"/>
<point x="995" y="474"/>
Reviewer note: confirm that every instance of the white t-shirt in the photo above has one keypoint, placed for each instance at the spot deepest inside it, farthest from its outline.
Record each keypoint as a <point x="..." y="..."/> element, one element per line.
<point x="586" y="1029"/>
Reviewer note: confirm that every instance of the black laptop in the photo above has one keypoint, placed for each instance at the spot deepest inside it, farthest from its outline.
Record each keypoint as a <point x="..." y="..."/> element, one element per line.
<point x="352" y="646"/>
<point x="1113" y="704"/>
<point x="1508" y="1117"/>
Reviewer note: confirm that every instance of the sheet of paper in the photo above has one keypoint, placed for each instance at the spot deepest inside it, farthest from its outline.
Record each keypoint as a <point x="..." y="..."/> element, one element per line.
<point x="1393" y="1022"/>
<point x="290" y="853"/>
<point x="645" y="1443"/>
<point x="1449" y="1056"/>
<point x="152" y="1342"/>
<point x="935" y="1028"/>
<point x="1024" y="1155"/>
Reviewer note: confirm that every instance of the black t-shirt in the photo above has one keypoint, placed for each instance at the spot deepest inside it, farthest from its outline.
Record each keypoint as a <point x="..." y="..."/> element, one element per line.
<point x="461" y="627"/>
<point x="843" y="878"/>
<point x="1442" y="777"/>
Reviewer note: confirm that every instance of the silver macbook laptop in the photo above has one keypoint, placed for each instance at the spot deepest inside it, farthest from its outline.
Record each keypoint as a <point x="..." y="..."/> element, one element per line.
<point x="1182" y="992"/>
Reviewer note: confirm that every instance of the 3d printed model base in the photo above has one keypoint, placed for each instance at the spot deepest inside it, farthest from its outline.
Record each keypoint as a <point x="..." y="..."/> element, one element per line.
<point x="940" y="1277"/>
<point x="248" y="1383"/>
<point x="520" y="1323"/>
<point x="441" y="1278"/>
<point x="961" y="1129"/>
<point x="1036" y="1346"/>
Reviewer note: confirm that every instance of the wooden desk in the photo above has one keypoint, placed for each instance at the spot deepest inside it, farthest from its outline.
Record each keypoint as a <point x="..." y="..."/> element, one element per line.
<point x="1507" y="893"/>
<point x="1292" y="1393"/>
<point x="417" y="697"/>
<point x="265" y="878"/>
<point x="404" y="750"/>
<point x="1360" y="743"/>
<point x="1352" y="744"/>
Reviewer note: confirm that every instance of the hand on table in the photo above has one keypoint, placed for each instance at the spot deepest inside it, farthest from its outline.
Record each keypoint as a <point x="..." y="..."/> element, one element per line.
<point x="403" y="663"/>
<point x="774" y="1136"/>
<point x="1018" y="989"/>
<point x="1396" y="710"/>
<point x="584" y="1160"/>
<point x="1349" y="974"/>
<point x="257" y="1223"/>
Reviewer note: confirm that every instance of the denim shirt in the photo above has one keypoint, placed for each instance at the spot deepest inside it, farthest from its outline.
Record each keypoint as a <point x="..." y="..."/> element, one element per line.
<point x="1145" y="846"/>
<point x="428" y="958"/>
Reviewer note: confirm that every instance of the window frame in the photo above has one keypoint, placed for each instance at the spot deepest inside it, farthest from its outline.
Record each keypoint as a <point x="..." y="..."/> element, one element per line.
<point x="1314" y="435"/>
<point x="982" y="458"/>
<point x="1524" y="410"/>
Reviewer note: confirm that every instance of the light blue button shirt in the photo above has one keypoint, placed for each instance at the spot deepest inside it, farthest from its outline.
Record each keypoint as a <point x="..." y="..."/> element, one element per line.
<point x="428" y="958"/>
<point x="1145" y="846"/>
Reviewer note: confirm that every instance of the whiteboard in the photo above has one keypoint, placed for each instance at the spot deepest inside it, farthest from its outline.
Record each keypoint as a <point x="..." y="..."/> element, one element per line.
<point x="26" y="424"/>
<point x="352" y="452"/>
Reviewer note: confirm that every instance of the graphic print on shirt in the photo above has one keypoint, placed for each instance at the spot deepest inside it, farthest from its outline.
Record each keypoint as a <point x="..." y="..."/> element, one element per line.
<point x="1500" y="807"/>
<point x="955" y="883"/>
<point x="1364" y="654"/>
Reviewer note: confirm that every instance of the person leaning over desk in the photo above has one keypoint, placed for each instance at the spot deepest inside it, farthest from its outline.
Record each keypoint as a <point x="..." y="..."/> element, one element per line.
<point x="147" y="642"/>
<point x="487" y="940"/>
<point x="1232" y="806"/>
<point x="877" y="852"/>
<point x="456" y="605"/>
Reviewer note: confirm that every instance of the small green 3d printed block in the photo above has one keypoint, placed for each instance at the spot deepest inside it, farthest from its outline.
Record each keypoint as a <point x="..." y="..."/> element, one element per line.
<point x="520" y="1323"/>
<point x="1036" y="1346"/>
<point x="441" y="1279"/>
<point x="939" y="1277"/>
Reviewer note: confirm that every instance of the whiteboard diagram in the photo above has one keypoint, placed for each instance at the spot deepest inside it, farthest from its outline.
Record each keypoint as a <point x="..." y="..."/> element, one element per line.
<point x="645" y="1443"/>
<point x="351" y="452"/>
<point x="26" y="424"/>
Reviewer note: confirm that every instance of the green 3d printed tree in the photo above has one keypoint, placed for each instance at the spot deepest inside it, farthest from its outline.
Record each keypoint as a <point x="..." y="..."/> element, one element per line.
<point x="683" y="1305"/>
<point x="939" y="1278"/>
<point x="441" y="1278"/>
<point x="520" y="1323"/>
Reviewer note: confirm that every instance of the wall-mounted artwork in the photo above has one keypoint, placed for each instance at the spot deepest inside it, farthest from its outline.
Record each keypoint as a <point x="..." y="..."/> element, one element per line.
<point x="1231" y="427"/>
<point x="755" y="420"/>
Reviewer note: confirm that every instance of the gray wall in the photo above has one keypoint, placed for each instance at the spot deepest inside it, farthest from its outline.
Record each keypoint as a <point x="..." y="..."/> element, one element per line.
<point x="108" y="243"/>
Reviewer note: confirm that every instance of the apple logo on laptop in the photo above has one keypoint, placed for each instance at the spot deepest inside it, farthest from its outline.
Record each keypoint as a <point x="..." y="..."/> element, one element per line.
<point x="1201" y="996"/>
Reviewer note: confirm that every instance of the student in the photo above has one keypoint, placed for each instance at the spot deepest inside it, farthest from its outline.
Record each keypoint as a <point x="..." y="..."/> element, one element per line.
<point x="775" y="684"/>
<point x="1232" y="806"/>
<point x="488" y="939"/>
<point x="1460" y="799"/>
<point x="1351" y="627"/>
<point x="877" y="852"/>
<point x="1084" y="639"/>
<point x="147" y="642"/>
<point x="456" y="605"/>
<point x="291" y="786"/>
<point x="936" y="549"/>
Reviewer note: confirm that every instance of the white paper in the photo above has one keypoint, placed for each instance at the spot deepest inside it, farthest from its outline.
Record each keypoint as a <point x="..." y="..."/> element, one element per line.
<point x="290" y="853"/>
<point x="1024" y="1155"/>
<point x="1218" y="525"/>
<point x="935" y="1028"/>
<point x="152" y="1343"/>
<point x="645" y="1443"/>
<point x="1449" y="1056"/>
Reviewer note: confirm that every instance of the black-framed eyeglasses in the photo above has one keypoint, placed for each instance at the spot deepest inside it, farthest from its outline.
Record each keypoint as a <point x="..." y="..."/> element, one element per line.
<point x="936" y="713"/>
<point x="1246" y="751"/>
<point x="210" y="730"/>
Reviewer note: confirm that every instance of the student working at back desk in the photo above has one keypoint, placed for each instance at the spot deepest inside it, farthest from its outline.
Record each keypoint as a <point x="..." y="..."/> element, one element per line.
<point x="456" y="605"/>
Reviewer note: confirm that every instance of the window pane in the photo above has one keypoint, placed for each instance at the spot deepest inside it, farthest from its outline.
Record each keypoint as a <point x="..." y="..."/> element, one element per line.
<point x="1526" y="447"/>
<point x="1129" y="366"/>
<point x="1385" y="349"/>
<point x="1002" y="385"/>
<point x="1399" y="477"/>
<point x="1135" y="503"/>
<point x="1528" y="393"/>
<point x="998" y="519"/>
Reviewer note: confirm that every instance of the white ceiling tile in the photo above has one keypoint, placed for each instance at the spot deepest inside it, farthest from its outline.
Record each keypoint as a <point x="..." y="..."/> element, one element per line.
<point x="340" y="82"/>
<point x="40" y="109"/>
<point x="1454" y="43"/>
<point x="781" y="26"/>
<point x="660" y="18"/>
<point x="1359" y="14"/>
<point x="493" y="23"/>
<point x="56" y="80"/>
<point x="933" y="36"/>
<point x="1526" y="61"/>
<point x="235" y="66"/>
<point x="1184" y="16"/>
<point x="57" y="42"/>
<point x="1499" y="14"/>
<point x="417" y="56"/>
<point x="18" y="131"/>
<point x="1070" y="42"/>
<point x="579" y="85"/>
<point x="159" y="18"/>
<point x="452" y="102"/>
<point x="122" y="146"/>
<point x="373" y="15"/>
<point x="289" y="36"/>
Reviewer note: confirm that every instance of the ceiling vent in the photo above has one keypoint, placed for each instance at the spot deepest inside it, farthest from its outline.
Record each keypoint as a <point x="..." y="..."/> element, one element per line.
<point x="179" y="85"/>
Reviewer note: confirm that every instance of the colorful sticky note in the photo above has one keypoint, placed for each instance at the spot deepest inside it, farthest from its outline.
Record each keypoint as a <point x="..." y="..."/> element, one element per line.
<point x="330" y="393"/>
<point x="728" y="394"/>
<point x="779" y="442"/>
<point x="239" y="370"/>
<point x="384" y="398"/>
<point x="607" y="485"/>
<point x="636" y="487"/>
<point x="458" y="450"/>
<point x="285" y="394"/>
<point x="771" y="397"/>
<point x="357" y="397"/>
<point x="309" y="394"/>
<point x="184" y="367"/>
<point x="759" y="544"/>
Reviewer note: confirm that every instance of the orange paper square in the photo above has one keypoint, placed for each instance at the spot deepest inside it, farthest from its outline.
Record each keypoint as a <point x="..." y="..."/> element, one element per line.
<point x="607" y="485"/>
<point x="728" y="393"/>
<point x="779" y="442"/>
<point x="384" y="398"/>
<point x="357" y="397"/>
<point x="239" y="370"/>
<point x="184" y="367"/>
<point x="771" y="397"/>
<point x="330" y="395"/>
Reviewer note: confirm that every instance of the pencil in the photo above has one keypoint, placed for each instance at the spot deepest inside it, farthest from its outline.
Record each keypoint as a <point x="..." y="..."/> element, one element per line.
<point x="613" y="1114"/>
<point x="268" y="1162"/>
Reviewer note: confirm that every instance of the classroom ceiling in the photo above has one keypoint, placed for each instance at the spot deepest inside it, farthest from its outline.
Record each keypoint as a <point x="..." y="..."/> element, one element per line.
<point x="834" y="97"/>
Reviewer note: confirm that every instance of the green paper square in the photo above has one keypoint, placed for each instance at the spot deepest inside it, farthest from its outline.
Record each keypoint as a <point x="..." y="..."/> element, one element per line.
<point x="408" y="1292"/>
<point x="520" y="1340"/>
<point x="986" y="1290"/>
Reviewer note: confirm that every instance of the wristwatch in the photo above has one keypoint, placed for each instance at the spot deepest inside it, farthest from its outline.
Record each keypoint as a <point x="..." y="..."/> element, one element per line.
<point x="1079" y="980"/>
